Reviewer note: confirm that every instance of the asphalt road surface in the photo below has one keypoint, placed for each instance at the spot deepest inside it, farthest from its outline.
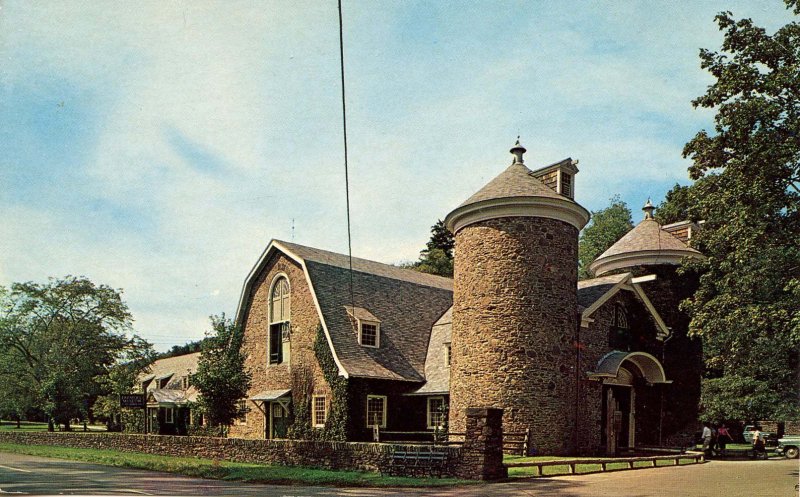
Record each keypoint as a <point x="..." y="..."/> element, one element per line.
<point x="20" y="474"/>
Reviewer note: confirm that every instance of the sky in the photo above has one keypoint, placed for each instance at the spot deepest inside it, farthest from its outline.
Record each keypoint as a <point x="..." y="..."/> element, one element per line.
<point x="157" y="147"/>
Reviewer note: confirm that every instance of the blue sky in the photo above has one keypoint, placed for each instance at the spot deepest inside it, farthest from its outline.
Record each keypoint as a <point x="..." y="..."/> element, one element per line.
<point x="157" y="147"/>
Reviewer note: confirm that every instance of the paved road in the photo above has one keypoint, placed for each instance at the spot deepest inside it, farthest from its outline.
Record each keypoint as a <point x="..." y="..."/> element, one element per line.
<point x="774" y="478"/>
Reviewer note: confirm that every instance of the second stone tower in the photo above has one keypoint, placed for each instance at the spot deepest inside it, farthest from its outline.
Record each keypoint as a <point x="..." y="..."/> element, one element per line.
<point x="515" y="302"/>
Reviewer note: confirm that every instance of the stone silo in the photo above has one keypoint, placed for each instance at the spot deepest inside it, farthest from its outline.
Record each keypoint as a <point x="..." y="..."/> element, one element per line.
<point x="514" y="302"/>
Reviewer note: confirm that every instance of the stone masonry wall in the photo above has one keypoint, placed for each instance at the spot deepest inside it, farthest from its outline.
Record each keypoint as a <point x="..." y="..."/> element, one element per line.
<point x="514" y="323"/>
<point x="328" y="455"/>
<point x="304" y="323"/>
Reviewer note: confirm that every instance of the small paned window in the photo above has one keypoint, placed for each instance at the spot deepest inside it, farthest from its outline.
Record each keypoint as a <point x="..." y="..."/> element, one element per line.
<point x="376" y="411"/>
<point x="370" y="334"/>
<point x="436" y="412"/>
<point x="279" y="319"/>
<point x="169" y="415"/>
<point x="319" y="411"/>
<point x="277" y="410"/>
<point x="242" y="410"/>
<point x="448" y="351"/>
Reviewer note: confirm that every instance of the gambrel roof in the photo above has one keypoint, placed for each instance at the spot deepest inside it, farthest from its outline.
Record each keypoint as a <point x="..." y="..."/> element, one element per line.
<point x="406" y="303"/>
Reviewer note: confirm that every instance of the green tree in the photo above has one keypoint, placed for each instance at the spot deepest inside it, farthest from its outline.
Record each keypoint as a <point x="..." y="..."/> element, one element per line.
<point x="676" y="206"/>
<point x="60" y="339"/>
<point x="441" y="239"/>
<point x="747" y="189"/>
<point x="606" y="227"/>
<point x="437" y="258"/>
<point x="121" y="379"/>
<point x="221" y="376"/>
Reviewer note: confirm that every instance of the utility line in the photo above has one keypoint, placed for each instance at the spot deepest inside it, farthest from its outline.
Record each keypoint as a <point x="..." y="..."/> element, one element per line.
<point x="346" y="179"/>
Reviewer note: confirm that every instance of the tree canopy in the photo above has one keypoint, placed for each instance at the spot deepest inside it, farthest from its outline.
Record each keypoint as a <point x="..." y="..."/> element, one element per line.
<point x="606" y="227"/>
<point x="747" y="189"/>
<point x="437" y="258"/>
<point x="58" y="341"/>
<point x="221" y="376"/>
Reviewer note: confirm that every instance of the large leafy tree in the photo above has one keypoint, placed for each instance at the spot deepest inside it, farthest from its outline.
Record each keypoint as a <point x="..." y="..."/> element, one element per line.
<point x="747" y="189"/>
<point x="606" y="227"/>
<point x="221" y="376"/>
<point x="58" y="341"/>
<point x="676" y="206"/>
<point x="121" y="379"/>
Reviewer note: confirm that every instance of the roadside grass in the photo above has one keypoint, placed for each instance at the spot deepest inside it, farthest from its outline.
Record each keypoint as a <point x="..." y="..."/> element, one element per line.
<point x="234" y="471"/>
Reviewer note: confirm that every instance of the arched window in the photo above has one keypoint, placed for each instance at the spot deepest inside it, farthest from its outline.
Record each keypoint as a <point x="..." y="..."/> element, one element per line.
<point x="620" y="317"/>
<point x="280" y="311"/>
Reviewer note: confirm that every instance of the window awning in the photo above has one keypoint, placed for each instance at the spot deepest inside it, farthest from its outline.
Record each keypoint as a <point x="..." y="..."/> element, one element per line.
<point x="609" y="366"/>
<point x="270" y="395"/>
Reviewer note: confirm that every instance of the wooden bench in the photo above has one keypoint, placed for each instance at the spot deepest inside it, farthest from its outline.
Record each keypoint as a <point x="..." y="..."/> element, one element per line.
<point x="418" y="461"/>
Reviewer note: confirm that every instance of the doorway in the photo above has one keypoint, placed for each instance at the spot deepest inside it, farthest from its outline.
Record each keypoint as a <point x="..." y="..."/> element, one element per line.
<point x="619" y="413"/>
<point x="278" y="420"/>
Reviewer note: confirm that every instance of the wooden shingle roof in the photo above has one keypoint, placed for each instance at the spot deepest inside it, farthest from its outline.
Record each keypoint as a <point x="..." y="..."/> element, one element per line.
<point x="647" y="243"/>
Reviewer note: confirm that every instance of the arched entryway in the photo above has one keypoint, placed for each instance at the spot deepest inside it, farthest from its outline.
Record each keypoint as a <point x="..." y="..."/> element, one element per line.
<point x="626" y="375"/>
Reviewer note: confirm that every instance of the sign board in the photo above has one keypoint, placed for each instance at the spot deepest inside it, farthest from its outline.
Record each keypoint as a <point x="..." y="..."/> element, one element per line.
<point x="132" y="400"/>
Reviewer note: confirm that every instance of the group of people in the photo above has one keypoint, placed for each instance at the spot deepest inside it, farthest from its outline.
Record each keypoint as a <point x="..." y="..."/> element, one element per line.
<point x="715" y="439"/>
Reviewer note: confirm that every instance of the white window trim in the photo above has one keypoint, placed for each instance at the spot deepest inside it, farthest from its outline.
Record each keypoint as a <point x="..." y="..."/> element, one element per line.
<point x="448" y="354"/>
<point x="431" y="426"/>
<point x="314" y="421"/>
<point x="377" y="326"/>
<point x="385" y="406"/>
<point x="169" y="415"/>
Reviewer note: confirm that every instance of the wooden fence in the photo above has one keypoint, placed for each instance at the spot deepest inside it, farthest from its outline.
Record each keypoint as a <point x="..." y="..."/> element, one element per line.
<point x="513" y="443"/>
<point x="572" y="463"/>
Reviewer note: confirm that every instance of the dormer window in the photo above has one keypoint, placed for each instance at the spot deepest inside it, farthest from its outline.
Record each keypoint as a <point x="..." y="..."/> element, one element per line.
<point x="369" y="335"/>
<point x="367" y="326"/>
<point x="559" y="177"/>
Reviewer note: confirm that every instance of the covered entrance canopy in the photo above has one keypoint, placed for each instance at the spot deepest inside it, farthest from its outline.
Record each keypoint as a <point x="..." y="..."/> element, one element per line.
<point x="274" y="404"/>
<point x="609" y="366"/>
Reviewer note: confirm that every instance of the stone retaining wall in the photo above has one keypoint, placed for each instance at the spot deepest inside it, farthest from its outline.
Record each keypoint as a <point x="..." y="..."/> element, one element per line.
<point x="317" y="454"/>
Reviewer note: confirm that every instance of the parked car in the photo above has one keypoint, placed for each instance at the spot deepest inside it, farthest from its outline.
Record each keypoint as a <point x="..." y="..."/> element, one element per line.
<point x="748" y="434"/>
<point x="789" y="446"/>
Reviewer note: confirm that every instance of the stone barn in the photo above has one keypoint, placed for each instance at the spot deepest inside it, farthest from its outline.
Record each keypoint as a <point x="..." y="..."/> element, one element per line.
<point x="358" y="350"/>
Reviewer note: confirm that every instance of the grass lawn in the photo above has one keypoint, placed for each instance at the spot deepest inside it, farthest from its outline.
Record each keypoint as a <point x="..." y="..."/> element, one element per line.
<point x="24" y="426"/>
<point x="224" y="470"/>
<point x="6" y="425"/>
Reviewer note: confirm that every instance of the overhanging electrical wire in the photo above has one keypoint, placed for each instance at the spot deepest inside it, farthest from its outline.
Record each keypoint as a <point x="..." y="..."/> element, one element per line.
<point x="346" y="178"/>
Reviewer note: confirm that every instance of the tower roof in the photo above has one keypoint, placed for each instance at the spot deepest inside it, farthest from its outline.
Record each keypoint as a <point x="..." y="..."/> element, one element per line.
<point x="516" y="181"/>
<point x="645" y="244"/>
<point x="516" y="192"/>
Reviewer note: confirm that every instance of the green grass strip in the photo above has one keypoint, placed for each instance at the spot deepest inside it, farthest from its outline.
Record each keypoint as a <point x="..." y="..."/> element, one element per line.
<point x="234" y="471"/>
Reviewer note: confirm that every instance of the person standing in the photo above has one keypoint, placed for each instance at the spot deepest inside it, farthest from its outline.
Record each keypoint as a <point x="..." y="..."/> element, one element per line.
<point x="723" y="437"/>
<point x="758" y="443"/>
<point x="706" y="440"/>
